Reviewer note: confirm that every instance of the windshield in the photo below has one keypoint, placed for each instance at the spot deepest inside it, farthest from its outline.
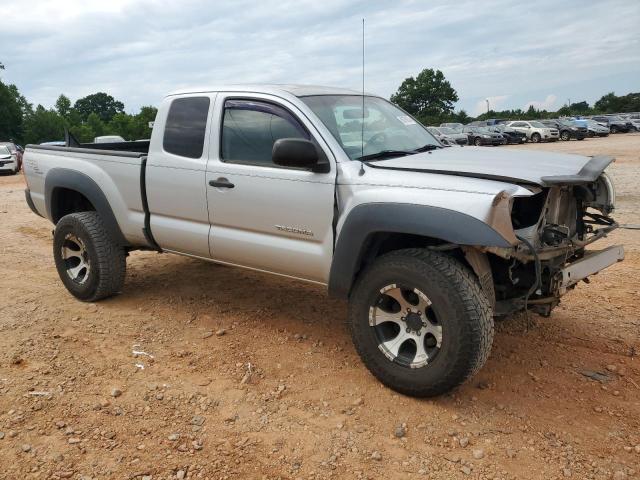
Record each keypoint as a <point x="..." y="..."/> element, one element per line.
<point x="4" y="150"/>
<point x="386" y="127"/>
<point x="537" y="125"/>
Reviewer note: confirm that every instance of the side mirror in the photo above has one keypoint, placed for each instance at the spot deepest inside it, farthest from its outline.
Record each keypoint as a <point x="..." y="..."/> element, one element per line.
<point x="298" y="153"/>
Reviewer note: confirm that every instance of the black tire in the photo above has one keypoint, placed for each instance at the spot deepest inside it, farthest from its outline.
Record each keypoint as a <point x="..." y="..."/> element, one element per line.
<point x="458" y="303"/>
<point x="613" y="129"/>
<point x="477" y="142"/>
<point x="580" y="138"/>
<point x="535" y="138"/>
<point x="565" y="136"/>
<point x="107" y="260"/>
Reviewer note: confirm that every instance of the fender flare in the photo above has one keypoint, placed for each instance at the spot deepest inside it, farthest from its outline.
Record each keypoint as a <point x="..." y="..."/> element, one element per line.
<point x="434" y="222"/>
<point x="85" y="185"/>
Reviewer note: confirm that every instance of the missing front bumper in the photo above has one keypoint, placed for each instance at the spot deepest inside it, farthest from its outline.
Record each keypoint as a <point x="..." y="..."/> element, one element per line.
<point x="591" y="263"/>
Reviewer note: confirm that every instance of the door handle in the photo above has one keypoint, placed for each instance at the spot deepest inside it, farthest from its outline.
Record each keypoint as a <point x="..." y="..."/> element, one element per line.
<point x="221" y="183"/>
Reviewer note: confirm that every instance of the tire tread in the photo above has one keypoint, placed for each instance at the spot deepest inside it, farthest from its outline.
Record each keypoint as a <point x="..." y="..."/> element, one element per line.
<point x="476" y="318"/>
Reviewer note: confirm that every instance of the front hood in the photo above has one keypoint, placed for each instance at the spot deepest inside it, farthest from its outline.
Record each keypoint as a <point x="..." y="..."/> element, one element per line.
<point x="508" y="165"/>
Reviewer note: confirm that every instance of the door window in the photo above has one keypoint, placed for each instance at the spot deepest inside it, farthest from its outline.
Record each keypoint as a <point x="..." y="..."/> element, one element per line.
<point x="250" y="128"/>
<point x="186" y="126"/>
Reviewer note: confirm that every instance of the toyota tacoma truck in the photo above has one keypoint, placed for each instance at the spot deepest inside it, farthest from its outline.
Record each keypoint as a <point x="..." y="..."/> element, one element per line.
<point x="427" y="244"/>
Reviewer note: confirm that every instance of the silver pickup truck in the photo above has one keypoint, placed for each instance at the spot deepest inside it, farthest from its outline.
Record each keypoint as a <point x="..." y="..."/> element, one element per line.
<point x="427" y="243"/>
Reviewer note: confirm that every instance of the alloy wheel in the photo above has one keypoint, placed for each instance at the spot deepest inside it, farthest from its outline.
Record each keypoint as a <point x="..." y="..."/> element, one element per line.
<point x="76" y="259"/>
<point x="407" y="329"/>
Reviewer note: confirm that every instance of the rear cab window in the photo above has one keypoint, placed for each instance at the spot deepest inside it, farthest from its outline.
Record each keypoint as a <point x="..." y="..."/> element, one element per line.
<point x="186" y="126"/>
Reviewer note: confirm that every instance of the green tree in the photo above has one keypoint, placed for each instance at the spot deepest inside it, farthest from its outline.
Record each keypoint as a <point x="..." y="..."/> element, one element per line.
<point x="12" y="109"/>
<point x="43" y="126"/>
<point x="580" y="107"/>
<point x="63" y="106"/>
<point x="608" y="103"/>
<point x="95" y="123"/>
<point x="102" y="104"/>
<point x="121" y="124"/>
<point x="429" y="97"/>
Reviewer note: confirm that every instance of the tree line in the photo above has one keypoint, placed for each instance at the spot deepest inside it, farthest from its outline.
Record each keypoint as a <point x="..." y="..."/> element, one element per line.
<point x="429" y="97"/>
<point x="88" y="117"/>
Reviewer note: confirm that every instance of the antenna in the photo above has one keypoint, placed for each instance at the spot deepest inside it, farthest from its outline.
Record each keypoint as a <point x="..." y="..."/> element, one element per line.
<point x="361" y="172"/>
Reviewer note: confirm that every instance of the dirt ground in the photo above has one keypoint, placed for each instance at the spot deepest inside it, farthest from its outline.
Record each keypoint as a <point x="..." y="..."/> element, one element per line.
<point x="246" y="375"/>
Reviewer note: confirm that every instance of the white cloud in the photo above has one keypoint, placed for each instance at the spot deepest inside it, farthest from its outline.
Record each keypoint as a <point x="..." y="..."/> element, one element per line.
<point x="137" y="50"/>
<point x="549" y="103"/>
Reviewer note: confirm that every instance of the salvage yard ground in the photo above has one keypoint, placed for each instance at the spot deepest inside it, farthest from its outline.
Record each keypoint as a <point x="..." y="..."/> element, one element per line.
<point x="245" y="375"/>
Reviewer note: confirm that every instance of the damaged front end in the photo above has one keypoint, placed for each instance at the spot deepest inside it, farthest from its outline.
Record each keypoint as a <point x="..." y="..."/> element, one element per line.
<point x="550" y="231"/>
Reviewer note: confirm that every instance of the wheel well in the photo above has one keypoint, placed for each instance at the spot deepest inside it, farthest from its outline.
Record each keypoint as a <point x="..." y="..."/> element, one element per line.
<point x="65" y="201"/>
<point x="380" y="243"/>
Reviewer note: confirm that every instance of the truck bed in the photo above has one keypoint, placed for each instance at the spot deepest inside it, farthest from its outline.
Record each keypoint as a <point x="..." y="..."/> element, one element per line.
<point x="114" y="171"/>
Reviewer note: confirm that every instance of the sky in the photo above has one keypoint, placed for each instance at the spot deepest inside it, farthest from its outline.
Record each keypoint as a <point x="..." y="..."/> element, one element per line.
<point x="513" y="53"/>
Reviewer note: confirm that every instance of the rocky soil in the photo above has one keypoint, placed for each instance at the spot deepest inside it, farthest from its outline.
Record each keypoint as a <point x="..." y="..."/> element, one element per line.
<point x="199" y="371"/>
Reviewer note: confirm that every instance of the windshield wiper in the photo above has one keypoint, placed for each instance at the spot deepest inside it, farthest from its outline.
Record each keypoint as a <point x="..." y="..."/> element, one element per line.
<point x="385" y="154"/>
<point x="426" y="148"/>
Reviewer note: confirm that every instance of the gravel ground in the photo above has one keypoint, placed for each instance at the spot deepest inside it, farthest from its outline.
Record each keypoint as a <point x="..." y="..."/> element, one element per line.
<point x="244" y="375"/>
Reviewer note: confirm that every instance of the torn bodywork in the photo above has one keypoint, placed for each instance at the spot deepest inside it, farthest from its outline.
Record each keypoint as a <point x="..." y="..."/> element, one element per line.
<point x="551" y="229"/>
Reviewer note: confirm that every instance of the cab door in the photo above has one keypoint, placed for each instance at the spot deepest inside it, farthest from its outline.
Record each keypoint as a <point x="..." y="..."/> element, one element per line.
<point x="175" y="174"/>
<point x="262" y="215"/>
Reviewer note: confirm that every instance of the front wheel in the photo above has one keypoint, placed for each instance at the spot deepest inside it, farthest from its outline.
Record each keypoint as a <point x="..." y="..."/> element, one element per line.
<point x="90" y="263"/>
<point x="420" y="322"/>
<point x="477" y="142"/>
<point x="535" y="138"/>
<point x="566" y="136"/>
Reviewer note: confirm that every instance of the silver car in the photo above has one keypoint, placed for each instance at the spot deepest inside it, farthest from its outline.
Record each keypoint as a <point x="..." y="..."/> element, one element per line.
<point x="536" y="132"/>
<point x="449" y="136"/>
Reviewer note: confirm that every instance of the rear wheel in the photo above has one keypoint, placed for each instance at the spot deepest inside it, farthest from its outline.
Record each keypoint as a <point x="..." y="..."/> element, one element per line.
<point x="89" y="262"/>
<point x="477" y="142"/>
<point x="535" y="138"/>
<point x="613" y="129"/>
<point x="566" y="136"/>
<point x="420" y="322"/>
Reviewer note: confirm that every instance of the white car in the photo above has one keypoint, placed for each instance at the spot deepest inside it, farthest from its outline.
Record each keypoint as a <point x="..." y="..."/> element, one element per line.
<point x="536" y="132"/>
<point x="109" y="139"/>
<point x="8" y="162"/>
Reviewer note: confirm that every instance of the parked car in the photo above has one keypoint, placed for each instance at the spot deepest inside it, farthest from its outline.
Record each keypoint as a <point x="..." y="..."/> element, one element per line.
<point x="512" y="136"/>
<point x="567" y="129"/>
<point x="615" y="124"/>
<point x="449" y="135"/>
<point x="595" y="129"/>
<point x="535" y="131"/>
<point x="480" y="136"/>
<point x="425" y="243"/>
<point x="16" y="151"/>
<point x="108" y="139"/>
<point x="8" y="160"/>
<point x="496" y="121"/>
<point x="455" y="126"/>
<point x="634" y="122"/>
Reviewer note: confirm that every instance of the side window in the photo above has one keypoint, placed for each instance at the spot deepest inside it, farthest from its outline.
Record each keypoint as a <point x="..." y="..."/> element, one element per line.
<point x="250" y="128"/>
<point x="518" y="124"/>
<point x="186" y="126"/>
